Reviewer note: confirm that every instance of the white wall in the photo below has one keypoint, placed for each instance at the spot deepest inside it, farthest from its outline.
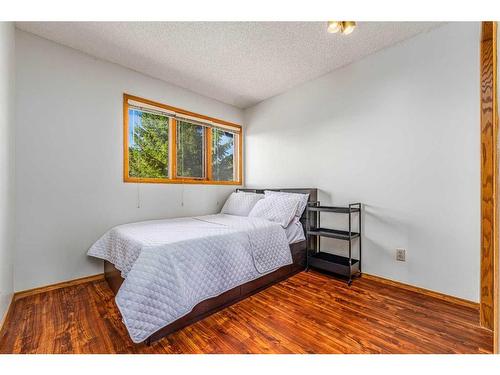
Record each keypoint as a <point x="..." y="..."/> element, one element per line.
<point x="6" y="164"/>
<point x="398" y="131"/>
<point x="69" y="154"/>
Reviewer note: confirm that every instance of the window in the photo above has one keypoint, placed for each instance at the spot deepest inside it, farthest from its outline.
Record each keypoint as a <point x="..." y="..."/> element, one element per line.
<point x="190" y="150"/>
<point x="222" y="155"/>
<point x="147" y="144"/>
<point x="169" y="145"/>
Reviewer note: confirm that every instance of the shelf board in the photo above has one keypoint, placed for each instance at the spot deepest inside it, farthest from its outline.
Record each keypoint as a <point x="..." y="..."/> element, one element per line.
<point x="340" y="210"/>
<point x="332" y="233"/>
<point x="333" y="258"/>
<point x="334" y="263"/>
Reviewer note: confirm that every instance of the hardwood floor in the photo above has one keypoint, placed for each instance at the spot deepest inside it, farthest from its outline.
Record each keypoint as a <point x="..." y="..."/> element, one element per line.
<point x="308" y="313"/>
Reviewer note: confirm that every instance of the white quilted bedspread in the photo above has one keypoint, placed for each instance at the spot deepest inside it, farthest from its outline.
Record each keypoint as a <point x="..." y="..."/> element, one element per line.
<point x="171" y="265"/>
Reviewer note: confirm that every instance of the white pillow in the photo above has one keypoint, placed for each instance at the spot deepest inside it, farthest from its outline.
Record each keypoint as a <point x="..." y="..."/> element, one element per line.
<point x="274" y="207"/>
<point x="240" y="203"/>
<point x="302" y="198"/>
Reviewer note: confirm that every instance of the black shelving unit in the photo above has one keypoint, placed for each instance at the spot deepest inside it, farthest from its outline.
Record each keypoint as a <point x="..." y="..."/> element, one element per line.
<point x="345" y="266"/>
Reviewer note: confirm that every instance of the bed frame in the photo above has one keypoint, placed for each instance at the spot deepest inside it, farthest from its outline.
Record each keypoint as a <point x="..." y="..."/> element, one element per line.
<point x="212" y="305"/>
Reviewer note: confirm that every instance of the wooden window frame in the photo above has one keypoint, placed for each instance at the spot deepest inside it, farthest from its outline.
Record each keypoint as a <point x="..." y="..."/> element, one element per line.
<point x="207" y="180"/>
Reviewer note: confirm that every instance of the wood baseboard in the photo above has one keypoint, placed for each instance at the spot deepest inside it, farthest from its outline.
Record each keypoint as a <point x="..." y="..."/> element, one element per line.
<point x="426" y="292"/>
<point x="64" y="284"/>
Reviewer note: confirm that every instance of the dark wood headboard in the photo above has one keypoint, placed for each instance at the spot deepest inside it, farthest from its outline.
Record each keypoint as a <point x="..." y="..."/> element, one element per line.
<point x="313" y="193"/>
<point x="313" y="197"/>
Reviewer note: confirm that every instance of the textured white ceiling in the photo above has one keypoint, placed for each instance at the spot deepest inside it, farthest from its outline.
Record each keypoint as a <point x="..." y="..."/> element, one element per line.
<point x="239" y="63"/>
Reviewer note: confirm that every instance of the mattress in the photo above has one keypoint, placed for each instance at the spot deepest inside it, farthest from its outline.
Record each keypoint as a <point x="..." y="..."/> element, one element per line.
<point x="170" y="266"/>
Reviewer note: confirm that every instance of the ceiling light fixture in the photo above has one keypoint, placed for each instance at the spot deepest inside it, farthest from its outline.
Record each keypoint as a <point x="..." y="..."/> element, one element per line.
<point x="345" y="27"/>
<point x="334" y="27"/>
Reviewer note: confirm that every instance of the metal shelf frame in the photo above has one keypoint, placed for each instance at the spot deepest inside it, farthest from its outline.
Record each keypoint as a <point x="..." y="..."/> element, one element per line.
<point x="346" y="266"/>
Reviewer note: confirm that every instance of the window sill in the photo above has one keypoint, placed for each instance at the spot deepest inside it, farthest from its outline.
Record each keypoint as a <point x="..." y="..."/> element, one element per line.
<point x="178" y="181"/>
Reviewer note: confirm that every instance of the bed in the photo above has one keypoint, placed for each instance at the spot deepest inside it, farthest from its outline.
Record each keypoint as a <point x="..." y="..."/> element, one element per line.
<point x="167" y="274"/>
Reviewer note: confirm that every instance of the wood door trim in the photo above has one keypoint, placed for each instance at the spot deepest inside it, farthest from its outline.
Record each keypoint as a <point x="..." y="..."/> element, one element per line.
<point x="423" y="291"/>
<point x="496" y="255"/>
<point x="489" y="173"/>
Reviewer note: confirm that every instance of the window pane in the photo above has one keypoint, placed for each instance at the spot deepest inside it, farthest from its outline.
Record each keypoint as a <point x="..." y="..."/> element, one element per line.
<point x="148" y="144"/>
<point x="223" y="159"/>
<point x="190" y="150"/>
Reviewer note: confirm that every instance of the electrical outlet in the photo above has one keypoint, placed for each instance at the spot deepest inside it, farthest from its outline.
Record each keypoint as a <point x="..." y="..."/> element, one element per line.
<point x="401" y="255"/>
